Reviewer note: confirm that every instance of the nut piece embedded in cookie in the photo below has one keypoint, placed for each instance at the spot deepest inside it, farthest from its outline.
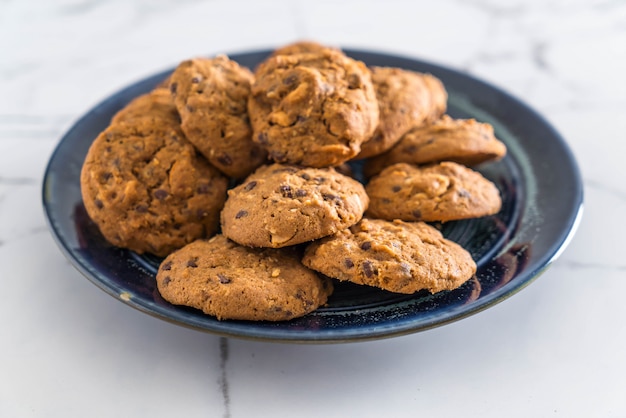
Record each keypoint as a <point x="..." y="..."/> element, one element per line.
<point x="231" y="281"/>
<point x="313" y="109"/>
<point x="146" y="187"/>
<point x="464" y="141"/>
<point x="211" y="96"/>
<point x="406" y="99"/>
<point x="401" y="257"/>
<point x="443" y="192"/>
<point x="281" y="205"/>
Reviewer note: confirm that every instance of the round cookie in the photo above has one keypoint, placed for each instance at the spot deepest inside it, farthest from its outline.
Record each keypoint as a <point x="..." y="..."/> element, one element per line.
<point x="147" y="189"/>
<point x="300" y="47"/>
<point x="313" y="109"/>
<point x="211" y="96"/>
<point x="405" y="99"/>
<point x="156" y="104"/>
<point x="282" y="205"/>
<point x="401" y="257"/>
<point x="464" y="141"/>
<point x="443" y="192"/>
<point x="230" y="281"/>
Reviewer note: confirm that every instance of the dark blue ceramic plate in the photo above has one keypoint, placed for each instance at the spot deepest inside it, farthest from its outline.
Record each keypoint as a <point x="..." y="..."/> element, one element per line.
<point x="542" y="204"/>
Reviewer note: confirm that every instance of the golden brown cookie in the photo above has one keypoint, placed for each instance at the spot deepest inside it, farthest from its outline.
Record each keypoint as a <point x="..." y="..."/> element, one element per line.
<point x="313" y="109"/>
<point x="405" y="99"/>
<point x="300" y="47"/>
<point x="211" y="96"/>
<point x="442" y="192"/>
<point x="282" y="205"/>
<point x="402" y="257"/>
<point x="230" y="281"/>
<point x="147" y="189"/>
<point x="156" y="104"/>
<point x="464" y="141"/>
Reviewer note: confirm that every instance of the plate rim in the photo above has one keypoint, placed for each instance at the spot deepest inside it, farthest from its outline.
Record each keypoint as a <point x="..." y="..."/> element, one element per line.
<point x="373" y="331"/>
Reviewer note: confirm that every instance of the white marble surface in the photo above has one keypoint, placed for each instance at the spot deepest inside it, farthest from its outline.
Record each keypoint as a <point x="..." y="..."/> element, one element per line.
<point x="554" y="350"/>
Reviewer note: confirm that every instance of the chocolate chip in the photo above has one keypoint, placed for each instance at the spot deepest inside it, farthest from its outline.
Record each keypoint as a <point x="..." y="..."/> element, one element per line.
<point x="166" y="266"/>
<point x="195" y="80"/>
<point x="301" y="119"/>
<point x="348" y="263"/>
<point x="141" y="208"/>
<point x="354" y="81"/>
<point x="396" y="189"/>
<point x="319" y="179"/>
<point x="201" y="213"/>
<point x="262" y="138"/>
<point x="366" y="245"/>
<point x="301" y="193"/>
<point x="285" y="190"/>
<point x="250" y="186"/>
<point x="329" y="197"/>
<point x="160" y="194"/>
<point x="203" y="188"/>
<point x="173" y="87"/>
<point x="167" y="280"/>
<point x="190" y="109"/>
<point x="192" y="262"/>
<point x="463" y="193"/>
<point x="417" y="213"/>
<point x="106" y="177"/>
<point x="368" y="268"/>
<point x="290" y="79"/>
<point x="285" y="170"/>
<point x="278" y="156"/>
<point x="98" y="203"/>
<point x="224" y="159"/>
<point x="223" y="279"/>
<point x="241" y="214"/>
<point x="305" y="176"/>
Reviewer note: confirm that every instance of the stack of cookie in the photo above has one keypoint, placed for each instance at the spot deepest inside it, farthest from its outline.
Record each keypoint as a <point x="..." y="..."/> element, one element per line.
<point x="155" y="181"/>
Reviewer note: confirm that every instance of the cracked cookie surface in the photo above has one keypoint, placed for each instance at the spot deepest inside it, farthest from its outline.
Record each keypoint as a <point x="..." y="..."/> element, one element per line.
<point x="146" y="187"/>
<point x="405" y="99"/>
<point x="231" y="281"/>
<point x="281" y="205"/>
<point x="464" y="141"/>
<point x="401" y="257"/>
<point x="442" y="192"/>
<point x="313" y="109"/>
<point x="211" y="96"/>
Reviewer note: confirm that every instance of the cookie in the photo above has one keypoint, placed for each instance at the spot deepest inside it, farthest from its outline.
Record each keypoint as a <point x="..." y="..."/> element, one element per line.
<point x="401" y="257"/>
<point x="147" y="189"/>
<point x="464" y="141"/>
<point x="156" y="104"/>
<point x="405" y="99"/>
<point x="281" y="205"/>
<point x="442" y="192"/>
<point x="230" y="281"/>
<point x="300" y="47"/>
<point x="211" y="96"/>
<point x="313" y="109"/>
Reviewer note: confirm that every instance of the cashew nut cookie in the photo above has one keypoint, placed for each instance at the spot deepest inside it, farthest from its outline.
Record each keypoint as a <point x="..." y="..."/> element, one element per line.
<point x="313" y="109"/>
<point x="211" y="96"/>
<point x="405" y="99"/>
<point x="401" y="257"/>
<point x="146" y="187"/>
<point x="230" y="281"/>
<point x="281" y="205"/>
<point x="442" y="192"/>
<point x="464" y="141"/>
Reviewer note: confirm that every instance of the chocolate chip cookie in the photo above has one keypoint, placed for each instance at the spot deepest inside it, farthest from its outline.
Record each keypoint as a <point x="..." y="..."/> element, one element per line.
<point x="464" y="141"/>
<point x="230" y="281"/>
<point x="313" y="109"/>
<point x="281" y="205"/>
<point x="147" y="189"/>
<point x="442" y="192"/>
<point x="401" y="257"/>
<point x="211" y="96"/>
<point x="405" y="99"/>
